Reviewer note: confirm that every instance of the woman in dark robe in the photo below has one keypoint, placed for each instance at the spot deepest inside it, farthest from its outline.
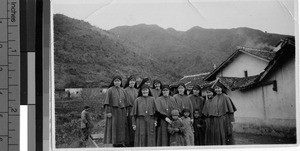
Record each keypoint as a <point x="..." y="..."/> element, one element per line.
<point x="144" y="120"/>
<point x="131" y="94"/>
<point x="182" y="100"/>
<point x="164" y="104"/>
<point x="196" y="98"/>
<point x="115" y="108"/>
<point x="198" y="103"/>
<point x="229" y="116"/>
<point x="156" y="88"/>
<point x="216" y="109"/>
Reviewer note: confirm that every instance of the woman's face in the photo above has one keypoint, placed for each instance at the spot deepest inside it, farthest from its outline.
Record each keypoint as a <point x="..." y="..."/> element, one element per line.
<point x="157" y="86"/>
<point x="131" y="83"/>
<point x="181" y="90"/>
<point x="218" y="90"/>
<point x="148" y="83"/>
<point x="117" y="82"/>
<point x="165" y="92"/>
<point x="196" y="92"/>
<point x="209" y="94"/>
<point x="145" y="92"/>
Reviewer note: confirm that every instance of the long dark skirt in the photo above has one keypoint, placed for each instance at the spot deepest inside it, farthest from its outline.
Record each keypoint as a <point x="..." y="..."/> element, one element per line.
<point x="228" y="130"/>
<point x="129" y="132"/>
<point x="215" y="130"/>
<point x="162" y="134"/>
<point x="145" y="131"/>
<point x="115" y="127"/>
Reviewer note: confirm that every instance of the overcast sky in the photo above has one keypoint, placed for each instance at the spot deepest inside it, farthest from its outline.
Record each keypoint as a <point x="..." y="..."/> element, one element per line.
<point x="273" y="16"/>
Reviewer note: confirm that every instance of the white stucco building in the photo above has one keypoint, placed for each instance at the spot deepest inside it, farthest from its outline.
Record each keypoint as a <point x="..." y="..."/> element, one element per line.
<point x="262" y="86"/>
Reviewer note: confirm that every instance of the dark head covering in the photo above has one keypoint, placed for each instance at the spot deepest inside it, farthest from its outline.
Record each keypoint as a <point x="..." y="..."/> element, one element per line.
<point x="221" y="86"/>
<point x="143" y="87"/>
<point x="129" y="79"/>
<point x="143" y="82"/>
<point x="212" y="90"/>
<point x="86" y="107"/>
<point x="164" y="87"/>
<point x="112" y="82"/>
<point x="156" y="81"/>
<point x="185" y="90"/>
<point x="196" y="87"/>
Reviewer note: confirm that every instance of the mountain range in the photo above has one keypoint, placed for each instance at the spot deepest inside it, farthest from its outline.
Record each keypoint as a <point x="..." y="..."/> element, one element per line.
<point x="88" y="54"/>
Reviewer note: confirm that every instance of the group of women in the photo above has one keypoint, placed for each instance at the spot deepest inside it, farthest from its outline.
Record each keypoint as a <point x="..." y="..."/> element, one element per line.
<point x="140" y="116"/>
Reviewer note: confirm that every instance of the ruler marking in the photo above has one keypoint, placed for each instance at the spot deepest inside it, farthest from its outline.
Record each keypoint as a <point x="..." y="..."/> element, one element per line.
<point x="7" y="72"/>
<point x="13" y="25"/>
<point x="13" y="55"/>
<point x="14" y="115"/>
<point x="3" y="41"/>
<point x="13" y="144"/>
<point x="13" y="85"/>
<point x="11" y="70"/>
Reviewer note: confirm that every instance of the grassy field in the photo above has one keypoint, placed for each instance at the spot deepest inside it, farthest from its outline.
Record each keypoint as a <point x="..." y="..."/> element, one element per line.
<point x="67" y="119"/>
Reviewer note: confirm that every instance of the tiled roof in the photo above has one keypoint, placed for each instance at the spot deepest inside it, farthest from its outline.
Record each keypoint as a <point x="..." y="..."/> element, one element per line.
<point x="193" y="80"/>
<point x="264" y="54"/>
<point x="234" y="83"/>
<point x="286" y="51"/>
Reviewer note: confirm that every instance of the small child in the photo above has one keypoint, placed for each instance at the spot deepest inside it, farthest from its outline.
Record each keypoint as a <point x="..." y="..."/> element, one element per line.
<point x="188" y="128"/>
<point x="199" y="127"/>
<point x="86" y="125"/>
<point x="176" y="130"/>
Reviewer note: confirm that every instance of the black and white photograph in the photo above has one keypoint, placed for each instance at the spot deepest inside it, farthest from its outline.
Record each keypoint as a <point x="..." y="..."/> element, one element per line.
<point x="174" y="74"/>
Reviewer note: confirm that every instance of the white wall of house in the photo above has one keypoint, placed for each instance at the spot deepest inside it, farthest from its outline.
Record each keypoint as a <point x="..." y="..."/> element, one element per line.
<point x="262" y="106"/>
<point x="244" y="62"/>
<point x="282" y="104"/>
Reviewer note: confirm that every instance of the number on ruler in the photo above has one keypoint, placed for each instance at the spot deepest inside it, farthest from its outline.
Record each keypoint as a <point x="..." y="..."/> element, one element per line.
<point x="1" y="45"/>
<point x="14" y="50"/>
<point x="1" y="139"/>
<point x="0" y="21"/>
<point x="1" y="92"/>
<point x="13" y="110"/>
<point x="1" y="68"/>
<point x="1" y="115"/>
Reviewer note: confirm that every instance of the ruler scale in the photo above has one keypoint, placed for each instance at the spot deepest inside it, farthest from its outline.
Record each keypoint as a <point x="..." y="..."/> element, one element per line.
<point x="9" y="75"/>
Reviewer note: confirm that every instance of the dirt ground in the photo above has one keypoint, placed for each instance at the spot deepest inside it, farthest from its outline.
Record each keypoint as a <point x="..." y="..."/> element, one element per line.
<point x="245" y="139"/>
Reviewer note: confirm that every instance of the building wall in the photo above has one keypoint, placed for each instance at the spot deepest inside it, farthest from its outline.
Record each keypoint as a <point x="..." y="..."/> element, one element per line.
<point x="243" y="62"/>
<point x="263" y="110"/>
<point x="282" y="104"/>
